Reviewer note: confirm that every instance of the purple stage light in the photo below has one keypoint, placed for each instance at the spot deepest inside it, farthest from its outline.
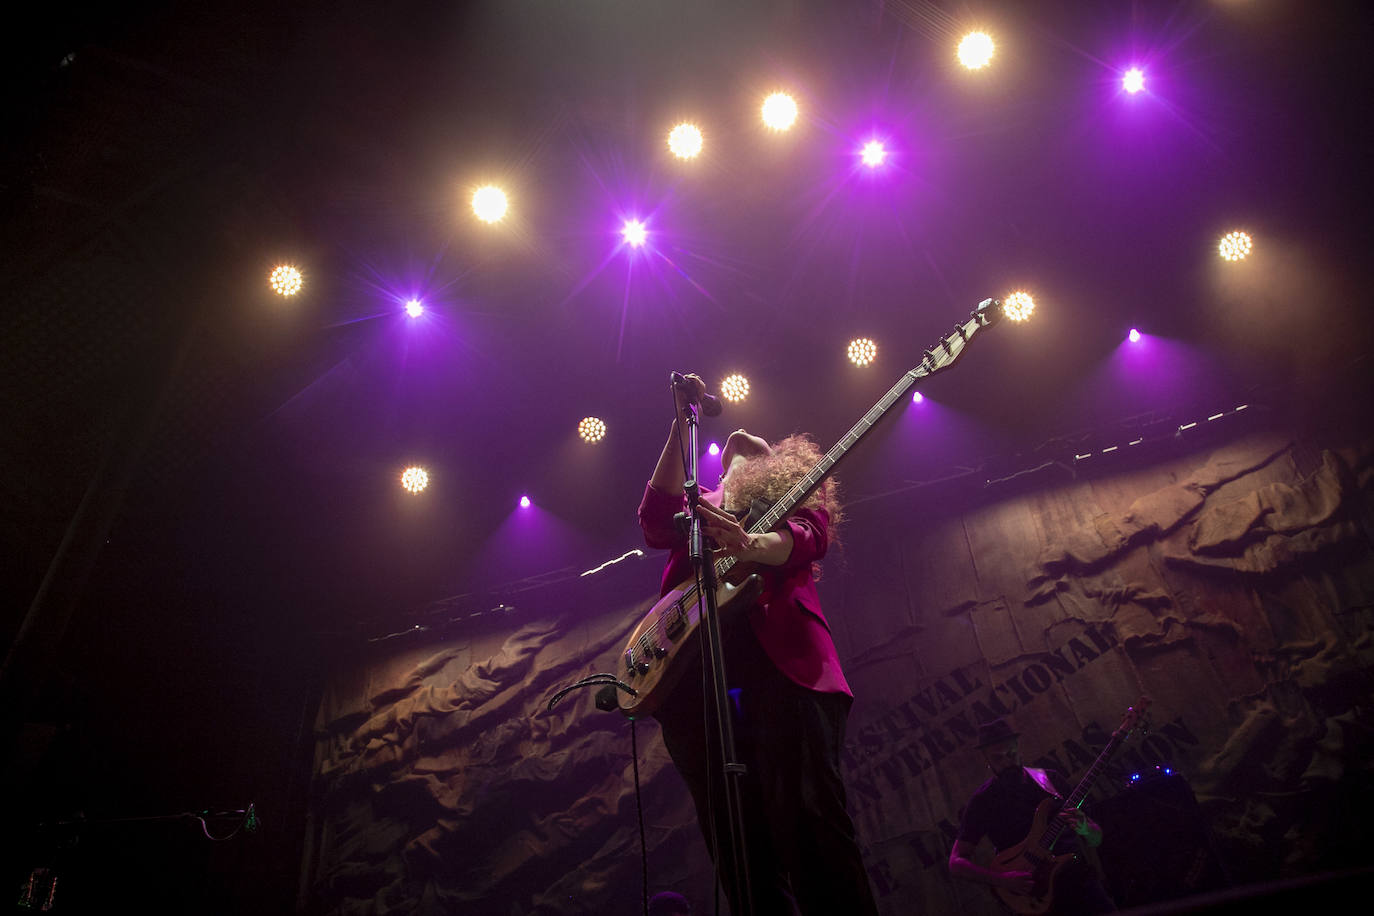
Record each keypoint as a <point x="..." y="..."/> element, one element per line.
<point x="1134" y="336"/>
<point x="873" y="154"/>
<point x="917" y="398"/>
<point x="713" y="449"/>
<point x="1133" y="81"/>
<point x="524" y="502"/>
<point x="635" y="233"/>
<point x="415" y="308"/>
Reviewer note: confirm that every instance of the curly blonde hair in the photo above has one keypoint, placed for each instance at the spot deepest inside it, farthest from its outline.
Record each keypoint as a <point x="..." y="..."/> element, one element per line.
<point x="768" y="477"/>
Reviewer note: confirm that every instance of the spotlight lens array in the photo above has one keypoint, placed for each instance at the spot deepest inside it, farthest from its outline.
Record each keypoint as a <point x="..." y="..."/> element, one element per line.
<point x="414" y="479"/>
<point x="591" y="429"/>
<point x="873" y="154"/>
<point x="489" y="203"/>
<point x="1134" y="80"/>
<point x="1235" y="245"/>
<point x="286" y="280"/>
<point x="415" y="308"/>
<point x="779" y="111"/>
<point x="862" y="351"/>
<point x="734" y="387"/>
<point x="635" y="233"/>
<point x="1018" y="306"/>
<point x="975" y="51"/>
<point x="684" y="141"/>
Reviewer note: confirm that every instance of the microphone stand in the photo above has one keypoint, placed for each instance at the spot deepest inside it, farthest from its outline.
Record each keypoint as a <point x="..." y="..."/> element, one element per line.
<point x="713" y="658"/>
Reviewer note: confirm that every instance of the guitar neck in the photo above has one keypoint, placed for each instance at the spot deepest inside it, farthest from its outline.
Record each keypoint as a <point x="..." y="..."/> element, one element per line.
<point x="941" y="357"/>
<point x="1080" y="792"/>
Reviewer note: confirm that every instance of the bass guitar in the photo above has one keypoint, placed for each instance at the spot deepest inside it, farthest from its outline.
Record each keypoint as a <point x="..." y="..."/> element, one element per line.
<point x="1035" y="853"/>
<point x="662" y="643"/>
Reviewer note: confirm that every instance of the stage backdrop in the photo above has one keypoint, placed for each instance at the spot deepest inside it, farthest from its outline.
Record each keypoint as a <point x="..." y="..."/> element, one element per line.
<point x="1234" y="585"/>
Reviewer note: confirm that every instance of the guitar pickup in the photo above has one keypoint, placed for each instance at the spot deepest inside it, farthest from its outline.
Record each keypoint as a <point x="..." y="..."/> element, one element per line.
<point x="676" y="623"/>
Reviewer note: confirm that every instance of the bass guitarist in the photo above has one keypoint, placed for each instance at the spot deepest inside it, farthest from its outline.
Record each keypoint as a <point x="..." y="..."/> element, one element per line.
<point x="1003" y="809"/>
<point x="790" y="697"/>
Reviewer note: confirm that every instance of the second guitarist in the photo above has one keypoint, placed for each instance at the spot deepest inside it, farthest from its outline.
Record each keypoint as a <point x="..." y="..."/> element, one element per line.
<point x="1003" y="808"/>
<point x="790" y="697"/>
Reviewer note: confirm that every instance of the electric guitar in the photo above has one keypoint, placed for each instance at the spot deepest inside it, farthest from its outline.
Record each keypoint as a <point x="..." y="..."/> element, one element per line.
<point x="662" y="644"/>
<point x="1035" y="853"/>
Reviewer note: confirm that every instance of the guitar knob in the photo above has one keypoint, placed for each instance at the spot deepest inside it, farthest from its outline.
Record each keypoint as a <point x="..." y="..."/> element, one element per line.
<point x="642" y="667"/>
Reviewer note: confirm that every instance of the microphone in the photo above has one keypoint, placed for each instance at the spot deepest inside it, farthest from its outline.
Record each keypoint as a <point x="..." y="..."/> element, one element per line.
<point x="710" y="404"/>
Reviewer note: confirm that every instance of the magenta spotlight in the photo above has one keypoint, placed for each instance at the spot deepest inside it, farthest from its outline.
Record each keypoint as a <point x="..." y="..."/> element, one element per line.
<point x="1134" y="80"/>
<point x="917" y="398"/>
<point x="415" y="308"/>
<point x="635" y="233"/>
<point x="713" y="449"/>
<point x="524" y="502"/>
<point x="873" y="154"/>
<point x="1134" y="336"/>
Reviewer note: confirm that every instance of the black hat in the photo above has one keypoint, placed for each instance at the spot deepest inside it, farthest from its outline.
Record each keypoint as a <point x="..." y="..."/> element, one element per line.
<point x="995" y="732"/>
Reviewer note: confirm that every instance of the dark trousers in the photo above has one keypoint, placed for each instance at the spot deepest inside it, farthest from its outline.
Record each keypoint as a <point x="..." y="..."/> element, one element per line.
<point x="1079" y="892"/>
<point x="800" y="838"/>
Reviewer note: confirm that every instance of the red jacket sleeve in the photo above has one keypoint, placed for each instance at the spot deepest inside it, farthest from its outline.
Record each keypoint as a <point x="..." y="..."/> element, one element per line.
<point x="656" y="511"/>
<point x="810" y="537"/>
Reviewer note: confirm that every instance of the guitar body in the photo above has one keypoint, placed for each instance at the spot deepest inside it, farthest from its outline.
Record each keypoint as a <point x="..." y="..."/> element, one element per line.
<point x="1027" y="856"/>
<point x="665" y="639"/>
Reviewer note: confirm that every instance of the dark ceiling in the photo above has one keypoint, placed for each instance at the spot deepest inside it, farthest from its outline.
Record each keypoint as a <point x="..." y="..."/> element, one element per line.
<point x="199" y="469"/>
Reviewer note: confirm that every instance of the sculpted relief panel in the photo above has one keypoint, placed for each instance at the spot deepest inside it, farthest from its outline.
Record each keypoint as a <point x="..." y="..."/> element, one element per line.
<point x="1234" y="587"/>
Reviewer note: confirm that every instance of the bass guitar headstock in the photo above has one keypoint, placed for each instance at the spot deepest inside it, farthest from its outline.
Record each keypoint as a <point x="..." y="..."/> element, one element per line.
<point x="1015" y="307"/>
<point x="1134" y="715"/>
